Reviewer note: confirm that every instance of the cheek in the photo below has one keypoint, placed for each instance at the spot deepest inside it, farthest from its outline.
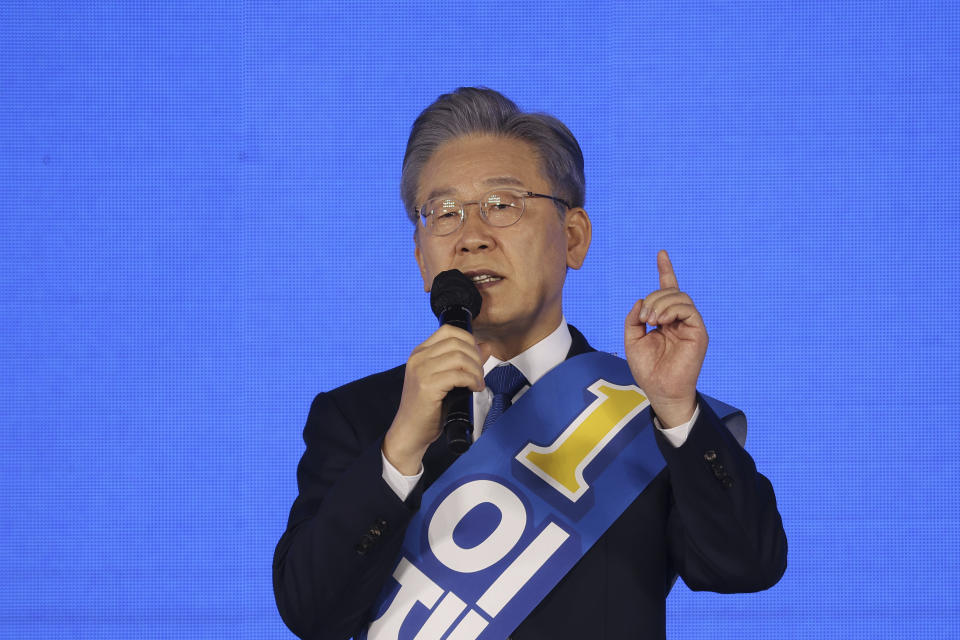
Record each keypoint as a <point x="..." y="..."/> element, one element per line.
<point x="544" y="261"/>
<point x="427" y="265"/>
<point x="434" y="258"/>
<point x="553" y="251"/>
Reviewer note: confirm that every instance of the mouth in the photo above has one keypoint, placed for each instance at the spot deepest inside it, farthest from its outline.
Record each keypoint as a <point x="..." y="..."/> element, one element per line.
<point x="483" y="279"/>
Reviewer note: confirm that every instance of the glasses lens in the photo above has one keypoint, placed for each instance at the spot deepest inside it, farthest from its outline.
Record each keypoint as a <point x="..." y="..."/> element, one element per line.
<point x="441" y="216"/>
<point x="503" y="208"/>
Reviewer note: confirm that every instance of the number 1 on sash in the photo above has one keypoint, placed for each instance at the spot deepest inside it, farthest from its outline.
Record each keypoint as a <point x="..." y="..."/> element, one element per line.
<point x="561" y="463"/>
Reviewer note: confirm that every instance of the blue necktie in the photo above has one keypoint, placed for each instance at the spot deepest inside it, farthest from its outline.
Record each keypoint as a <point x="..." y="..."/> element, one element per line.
<point x="505" y="381"/>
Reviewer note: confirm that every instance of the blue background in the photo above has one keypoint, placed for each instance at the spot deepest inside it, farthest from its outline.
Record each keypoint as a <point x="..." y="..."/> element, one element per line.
<point x="180" y="273"/>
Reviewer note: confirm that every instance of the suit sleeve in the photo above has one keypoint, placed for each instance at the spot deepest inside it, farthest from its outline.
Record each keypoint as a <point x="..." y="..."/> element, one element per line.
<point x="724" y="531"/>
<point x="344" y="532"/>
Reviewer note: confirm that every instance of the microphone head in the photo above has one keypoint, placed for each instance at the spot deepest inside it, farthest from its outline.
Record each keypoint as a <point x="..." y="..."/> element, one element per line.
<point x="452" y="289"/>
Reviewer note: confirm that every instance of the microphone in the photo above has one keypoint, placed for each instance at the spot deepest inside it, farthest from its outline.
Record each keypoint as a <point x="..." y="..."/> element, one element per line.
<point x="455" y="300"/>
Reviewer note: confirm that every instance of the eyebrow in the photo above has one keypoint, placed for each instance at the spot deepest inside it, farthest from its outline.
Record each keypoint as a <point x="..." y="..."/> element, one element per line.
<point x="489" y="182"/>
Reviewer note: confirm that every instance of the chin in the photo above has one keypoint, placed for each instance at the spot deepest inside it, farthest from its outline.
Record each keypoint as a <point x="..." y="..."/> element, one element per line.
<point x="495" y="324"/>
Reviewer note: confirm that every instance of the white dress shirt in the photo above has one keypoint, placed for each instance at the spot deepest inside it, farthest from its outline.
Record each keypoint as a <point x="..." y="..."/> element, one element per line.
<point x="533" y="363"/>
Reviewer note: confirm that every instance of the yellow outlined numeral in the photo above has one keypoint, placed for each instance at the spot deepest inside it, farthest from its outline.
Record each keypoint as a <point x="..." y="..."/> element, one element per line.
<point x="561" y="463"/>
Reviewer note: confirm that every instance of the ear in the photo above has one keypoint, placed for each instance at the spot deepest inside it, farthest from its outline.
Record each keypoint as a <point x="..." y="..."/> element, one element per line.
<point x="423" y="268"/>
<point x="576" y="225"/>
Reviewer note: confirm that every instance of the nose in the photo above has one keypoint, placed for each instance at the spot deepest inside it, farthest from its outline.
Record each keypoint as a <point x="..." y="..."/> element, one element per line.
<point x="475" y="234"/>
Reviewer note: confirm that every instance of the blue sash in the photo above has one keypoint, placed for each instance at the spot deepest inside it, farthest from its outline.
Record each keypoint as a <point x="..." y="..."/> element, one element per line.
<point x="508" y="519"/>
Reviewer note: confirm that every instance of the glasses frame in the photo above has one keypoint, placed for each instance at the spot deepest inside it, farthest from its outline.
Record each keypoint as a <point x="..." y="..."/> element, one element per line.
<point x="483" y="209"/>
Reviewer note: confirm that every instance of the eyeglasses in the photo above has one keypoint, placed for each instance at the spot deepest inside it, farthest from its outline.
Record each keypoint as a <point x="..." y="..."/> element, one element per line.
<point x="498" y="208"/>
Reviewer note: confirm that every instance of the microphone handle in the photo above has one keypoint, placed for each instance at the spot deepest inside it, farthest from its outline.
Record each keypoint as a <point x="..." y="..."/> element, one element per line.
<point x="456" y="411"/>
<point x="457" y="419"/>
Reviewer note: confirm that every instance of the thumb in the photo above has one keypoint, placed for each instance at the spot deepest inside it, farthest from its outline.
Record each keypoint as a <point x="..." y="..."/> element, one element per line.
<point x="633" y="322"/>
<point x="484" y="349"/>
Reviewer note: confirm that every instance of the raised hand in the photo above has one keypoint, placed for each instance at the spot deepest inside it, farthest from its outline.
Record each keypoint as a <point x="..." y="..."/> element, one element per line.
<point x="666" y="361"/>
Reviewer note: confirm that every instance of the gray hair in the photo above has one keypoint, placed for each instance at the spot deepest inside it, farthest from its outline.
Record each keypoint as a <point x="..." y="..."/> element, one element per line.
<point x="478" y="110"/>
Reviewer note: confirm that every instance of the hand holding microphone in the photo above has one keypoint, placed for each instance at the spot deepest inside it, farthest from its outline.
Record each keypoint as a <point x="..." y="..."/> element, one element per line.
<point x="446" y="361"/>
<point x="456" y="301"/>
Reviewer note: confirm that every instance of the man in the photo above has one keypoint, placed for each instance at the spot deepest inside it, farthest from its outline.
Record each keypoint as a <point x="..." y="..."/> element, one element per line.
<point x="498" y="194"/>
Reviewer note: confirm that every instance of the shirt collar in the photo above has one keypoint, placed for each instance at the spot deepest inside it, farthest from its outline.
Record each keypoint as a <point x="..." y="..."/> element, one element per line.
<point x="536" y="361"/>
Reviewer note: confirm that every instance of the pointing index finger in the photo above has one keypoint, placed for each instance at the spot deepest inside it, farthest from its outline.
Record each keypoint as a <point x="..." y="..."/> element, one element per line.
<point x="667" y="277"/>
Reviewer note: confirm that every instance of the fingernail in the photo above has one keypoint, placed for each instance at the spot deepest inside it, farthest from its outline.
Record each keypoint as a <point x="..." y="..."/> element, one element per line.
<point x="643" y="314"/>
<point x="653" y="319"/>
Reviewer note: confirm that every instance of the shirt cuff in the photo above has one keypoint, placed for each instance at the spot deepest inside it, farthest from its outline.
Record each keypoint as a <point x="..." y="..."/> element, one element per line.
<point x="676" y="436"/>
<point x="402" y="485"/>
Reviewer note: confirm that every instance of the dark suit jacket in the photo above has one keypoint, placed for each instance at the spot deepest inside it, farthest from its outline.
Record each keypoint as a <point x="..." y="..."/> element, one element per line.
<point x="708" y="516"/>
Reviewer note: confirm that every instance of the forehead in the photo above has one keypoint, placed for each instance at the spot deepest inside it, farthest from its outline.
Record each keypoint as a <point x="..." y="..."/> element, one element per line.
<point x="470" y="165"/>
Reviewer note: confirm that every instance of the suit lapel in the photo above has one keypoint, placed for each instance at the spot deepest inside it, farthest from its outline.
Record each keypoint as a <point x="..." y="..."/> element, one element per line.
<point x="579" y="344"/>
<point x="436" y="460"/>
